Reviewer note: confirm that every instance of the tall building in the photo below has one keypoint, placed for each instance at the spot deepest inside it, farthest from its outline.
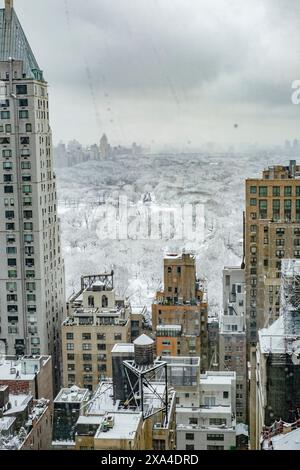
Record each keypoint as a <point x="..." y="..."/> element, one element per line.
<point x="272" y="232"/>
<point x="232" y="338"/>
<point x="275" y="389"/>
<point x="179" y="312"/>
<point x="32" y="289"/>
<point x="97" y="320"/>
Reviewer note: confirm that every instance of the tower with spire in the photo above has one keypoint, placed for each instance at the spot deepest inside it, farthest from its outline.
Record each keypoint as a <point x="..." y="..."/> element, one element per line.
<point x="32" y="285"/>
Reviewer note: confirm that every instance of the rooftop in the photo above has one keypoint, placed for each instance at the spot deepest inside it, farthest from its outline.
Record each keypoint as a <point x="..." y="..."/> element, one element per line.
<point x="124" y="425"/>
<point x="24" y="368"/>
<point x="72" y="395"/>
<point x="123" y="348"/>
<point x="289" y="441"/>
<point x="143" y="340"/>
<point x="217" y="378"/>
<point x="14" y="44"/>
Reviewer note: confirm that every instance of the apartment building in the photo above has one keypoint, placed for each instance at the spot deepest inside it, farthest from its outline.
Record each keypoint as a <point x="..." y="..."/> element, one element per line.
<point x="232" y="337"/>
<point x="179" y="312"/>
<point x="272" y="232"/>
<point x="97" y="321"/>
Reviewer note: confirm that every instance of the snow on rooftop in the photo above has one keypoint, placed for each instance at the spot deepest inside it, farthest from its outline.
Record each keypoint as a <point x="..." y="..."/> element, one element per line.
<point x="271" y="339"/>
<point x="143" y="340"/>
<point x="217" y="378"/>
<point x="123" y="348"/>
<point x="6" y="422"/>
<point x="125" y="426"/>
<point x="289" y="441"/>
<point x="73" y="394"/>
<point x="169" y="327"/>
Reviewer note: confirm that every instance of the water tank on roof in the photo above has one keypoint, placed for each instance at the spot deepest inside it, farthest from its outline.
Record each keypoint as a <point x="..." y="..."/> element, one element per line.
<point x="143" y="351"/>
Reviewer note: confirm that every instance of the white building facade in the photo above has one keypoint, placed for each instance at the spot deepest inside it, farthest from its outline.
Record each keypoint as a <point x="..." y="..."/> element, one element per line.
<point x="211" y="424"/>
<point x="232" y="336"/>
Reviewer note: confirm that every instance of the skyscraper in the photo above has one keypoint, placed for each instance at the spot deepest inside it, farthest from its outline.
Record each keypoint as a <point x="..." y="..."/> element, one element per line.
<point x="272" y="232"/>
<point x="32" y="288"/>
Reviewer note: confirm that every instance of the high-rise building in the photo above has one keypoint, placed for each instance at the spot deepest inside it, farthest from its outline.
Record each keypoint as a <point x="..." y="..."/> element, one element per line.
<point x="179" y="312"/>
<point x="32" y="284"/>
<point x="272" y="232"/>
<point x="232" y="337"/>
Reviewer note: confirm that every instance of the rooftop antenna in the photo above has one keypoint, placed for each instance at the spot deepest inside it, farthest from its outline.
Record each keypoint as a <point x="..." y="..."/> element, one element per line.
<point x="9" y="4"/>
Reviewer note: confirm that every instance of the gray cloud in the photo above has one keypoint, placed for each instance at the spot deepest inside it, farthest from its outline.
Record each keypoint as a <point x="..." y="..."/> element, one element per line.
<point x="163" y="69"/>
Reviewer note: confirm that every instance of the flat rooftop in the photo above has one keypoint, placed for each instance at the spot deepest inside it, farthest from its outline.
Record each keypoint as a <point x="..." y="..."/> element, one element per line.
<point x="72" y="395"/>
<point x="289" y="441"/>
<point x="123" y="348"/>
<point x="11" y="368"/>
<point x="125" y="426"/>
<point x="217" y="378"/>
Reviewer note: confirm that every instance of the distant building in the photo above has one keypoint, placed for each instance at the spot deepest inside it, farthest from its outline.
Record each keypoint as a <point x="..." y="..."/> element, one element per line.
<point x="30" y="375"/>
<point x="179" y="312"/>
<point x="209" y="424"/>
<point x="232" y="349"/>
<point x="97" y="321"/>
<point x="104" y="148"/>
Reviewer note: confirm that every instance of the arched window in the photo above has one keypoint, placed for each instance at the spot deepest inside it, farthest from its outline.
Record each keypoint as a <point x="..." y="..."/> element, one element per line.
<point x="104" y="301"/>
<point x="91" y="301"/>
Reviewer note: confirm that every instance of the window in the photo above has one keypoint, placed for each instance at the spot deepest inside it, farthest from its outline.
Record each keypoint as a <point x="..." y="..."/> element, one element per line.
<point x="27" y="201"/>
<point x="297" y="210"/>
<point x="287" y="191"/>
<point x="263" y="191"/>
<point x="189" y="447"/>
<point x="4" y="103"/>
<point x="101" y="357"/>
<point x="215" y="437"/>
<point x="7" y="178"/>
<point x="12" y="262"/>
<point x="71" y="357"/>
<point x="86" y="346"/>
<point x="217" y="421"/>
<point x="253" y="189"/>
<point x="276" y="191"/>
<point x="189" y="436"/>
<point x="12" y="273"/>
<point x="215" y="447"/>
<point x="5" y="114"/>
<point x="23" y="114"/>
<point x="71" y="367"/>
<point x="6" y="153"/>
<point x="86" y="336"/>
<point x="28" y="127"/>
<point x="209" y="401"/>
<point x="193" y="420"/>
<point x="10" y="226"/>
<point x="101" y="336"/>
<point x="8" y="128"/>
<point x="28" y="238"/>
<point x="26" y="178"/>
<point x="28" y="226"/>
<point x="252" y="202"/>
<point x="86" y="357"/>
<point x="91" y="301"/>
<point x="68" y="335"/>
<point x="7" y="166"/>
<point x="101" y="367"/>
<point x="24" y="140"/>
<point x="27" y="189"/>
<point x="8" y="189"/>
<point x="9" y="214"/>
<point x="101" y="347"/>
<point x="23" y="102"/>
<point x="70" y="346"/>
<point x="87" y="368"/>
<point x="4" y="140"/>
<point x="21" y="89"/>
<point x="276" y="209"/>
<point x="118" y="336"/>
<point x="11" y="250"/>
<point x="287" y="209"/>
<point x="104" y="301"/>
<point x="31" y="297"/>
<point x="263" y="208"/>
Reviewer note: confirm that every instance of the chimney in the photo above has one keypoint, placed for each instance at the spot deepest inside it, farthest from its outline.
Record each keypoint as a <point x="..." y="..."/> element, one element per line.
<point x="8" y="9"/>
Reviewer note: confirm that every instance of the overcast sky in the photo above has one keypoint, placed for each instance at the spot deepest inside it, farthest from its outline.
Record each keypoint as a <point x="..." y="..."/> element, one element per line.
<point x="168" y="71"/>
